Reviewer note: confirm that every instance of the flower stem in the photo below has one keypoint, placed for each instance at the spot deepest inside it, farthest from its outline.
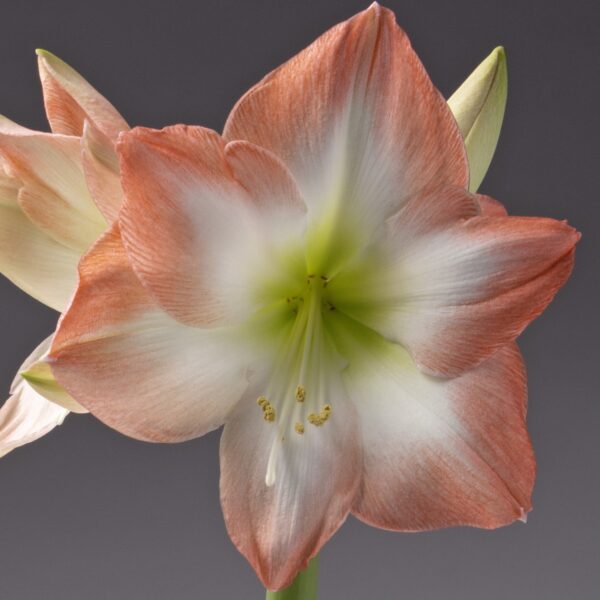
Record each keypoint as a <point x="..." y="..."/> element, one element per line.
<point x="304" y="586"/>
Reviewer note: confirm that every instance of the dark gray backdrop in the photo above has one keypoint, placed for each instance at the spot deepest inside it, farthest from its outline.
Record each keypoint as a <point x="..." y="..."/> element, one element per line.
<point x="86" y="514"/>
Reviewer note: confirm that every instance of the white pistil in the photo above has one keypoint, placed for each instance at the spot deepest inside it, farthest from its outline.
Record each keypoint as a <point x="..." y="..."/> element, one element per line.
<point x="271" y="470"/>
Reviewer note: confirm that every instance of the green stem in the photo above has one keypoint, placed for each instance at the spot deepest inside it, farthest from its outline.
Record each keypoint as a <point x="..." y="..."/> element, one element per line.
<point x="304" y="586"/>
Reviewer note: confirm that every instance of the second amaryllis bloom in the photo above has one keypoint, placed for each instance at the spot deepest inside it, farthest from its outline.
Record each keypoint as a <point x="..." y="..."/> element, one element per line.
<point x="58" y="191"/>
<point x="320" y="280"/>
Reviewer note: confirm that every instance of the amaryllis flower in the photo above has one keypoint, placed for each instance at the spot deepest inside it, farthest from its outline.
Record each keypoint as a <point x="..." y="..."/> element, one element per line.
<point x="320" y="280"/>
<point x="58" y="192"/>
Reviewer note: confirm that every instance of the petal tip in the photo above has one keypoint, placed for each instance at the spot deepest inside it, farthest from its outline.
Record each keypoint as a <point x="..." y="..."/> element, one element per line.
<point x="380" y="12"/>
<point x="494" y="65"/>
<point x="499" y="53"/>
<point x="571" y="233"/>
<point x="42" y="53"/>
<point x="49" y="60"/>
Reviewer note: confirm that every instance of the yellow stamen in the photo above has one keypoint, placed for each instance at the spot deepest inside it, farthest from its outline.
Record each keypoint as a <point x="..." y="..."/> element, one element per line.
<point x="299" y="428"/>
<point x="300" y="393"/>
<point x="261" y="401"/>
<point x="315" y="419"/>
<point x="267" y="407"/>
<point x="319" y="419"/>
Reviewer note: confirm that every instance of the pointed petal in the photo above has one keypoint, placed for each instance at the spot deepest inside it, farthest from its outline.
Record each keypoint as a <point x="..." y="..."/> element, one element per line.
<point x="32" y="260"/>
<point x="102" y="173"/>
<point x="279" y="528"/>
<point x="54" y="194"/>
<point x="28" y="415"/>
<point x="455" y="295"/>
<point x="70" y="100"/>
<point x="470" y="291"/>
<point x="438" y="452"/>
<point x="356" y="119"/>
<point x="202" y="262"/>
<point x="37" y="373"/>
<point x="478" y="106"/>
<point x="133" y="366"/>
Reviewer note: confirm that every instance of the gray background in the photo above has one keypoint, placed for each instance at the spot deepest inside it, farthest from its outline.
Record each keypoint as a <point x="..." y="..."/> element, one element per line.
<point x="86" y="514"/>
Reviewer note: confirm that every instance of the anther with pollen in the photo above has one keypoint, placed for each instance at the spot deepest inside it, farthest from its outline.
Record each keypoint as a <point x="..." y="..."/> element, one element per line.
<point x="300" y="393"/>
<point x="299" y="428"/>
<point x="267" y="408"/>
<point x="319" y="419"/>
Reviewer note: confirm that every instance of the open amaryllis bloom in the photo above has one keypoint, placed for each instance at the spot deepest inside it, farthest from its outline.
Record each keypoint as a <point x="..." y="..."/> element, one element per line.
<point x="58" y="192"/>
<point x="320" y="280"/>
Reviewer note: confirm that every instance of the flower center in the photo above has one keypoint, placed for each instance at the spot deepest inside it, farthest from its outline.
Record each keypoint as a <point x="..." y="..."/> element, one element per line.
<point x="297" y="396"/>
